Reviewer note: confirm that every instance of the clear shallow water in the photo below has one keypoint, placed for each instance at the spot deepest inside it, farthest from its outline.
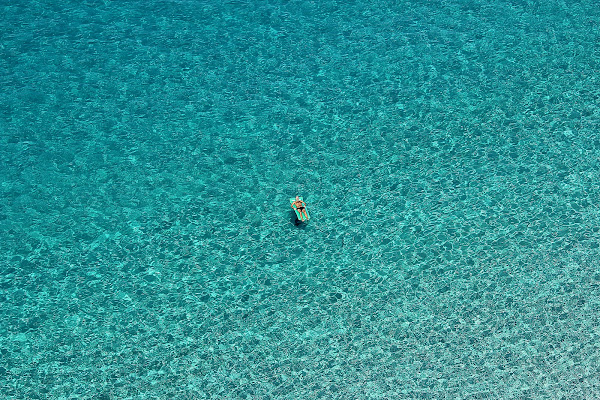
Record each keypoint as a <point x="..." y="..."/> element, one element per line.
<point x="448" y="154"/>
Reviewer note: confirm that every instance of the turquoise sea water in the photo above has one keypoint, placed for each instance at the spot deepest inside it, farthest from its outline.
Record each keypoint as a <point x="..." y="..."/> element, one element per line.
<point x="448" y="152"/>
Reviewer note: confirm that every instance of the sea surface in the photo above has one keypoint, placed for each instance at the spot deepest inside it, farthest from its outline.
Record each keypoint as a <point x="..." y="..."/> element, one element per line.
<point x="448" y="152"/>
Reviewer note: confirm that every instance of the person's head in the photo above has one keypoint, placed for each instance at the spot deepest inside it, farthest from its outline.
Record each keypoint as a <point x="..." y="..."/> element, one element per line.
<point x="297" y="198"/>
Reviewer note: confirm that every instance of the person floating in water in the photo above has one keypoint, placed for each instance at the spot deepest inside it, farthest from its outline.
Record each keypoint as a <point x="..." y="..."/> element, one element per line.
<point x="300" y="206"/>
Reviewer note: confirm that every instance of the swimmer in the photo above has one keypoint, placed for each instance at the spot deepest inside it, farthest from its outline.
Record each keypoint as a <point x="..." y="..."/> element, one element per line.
<point x="301" y="208"/>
